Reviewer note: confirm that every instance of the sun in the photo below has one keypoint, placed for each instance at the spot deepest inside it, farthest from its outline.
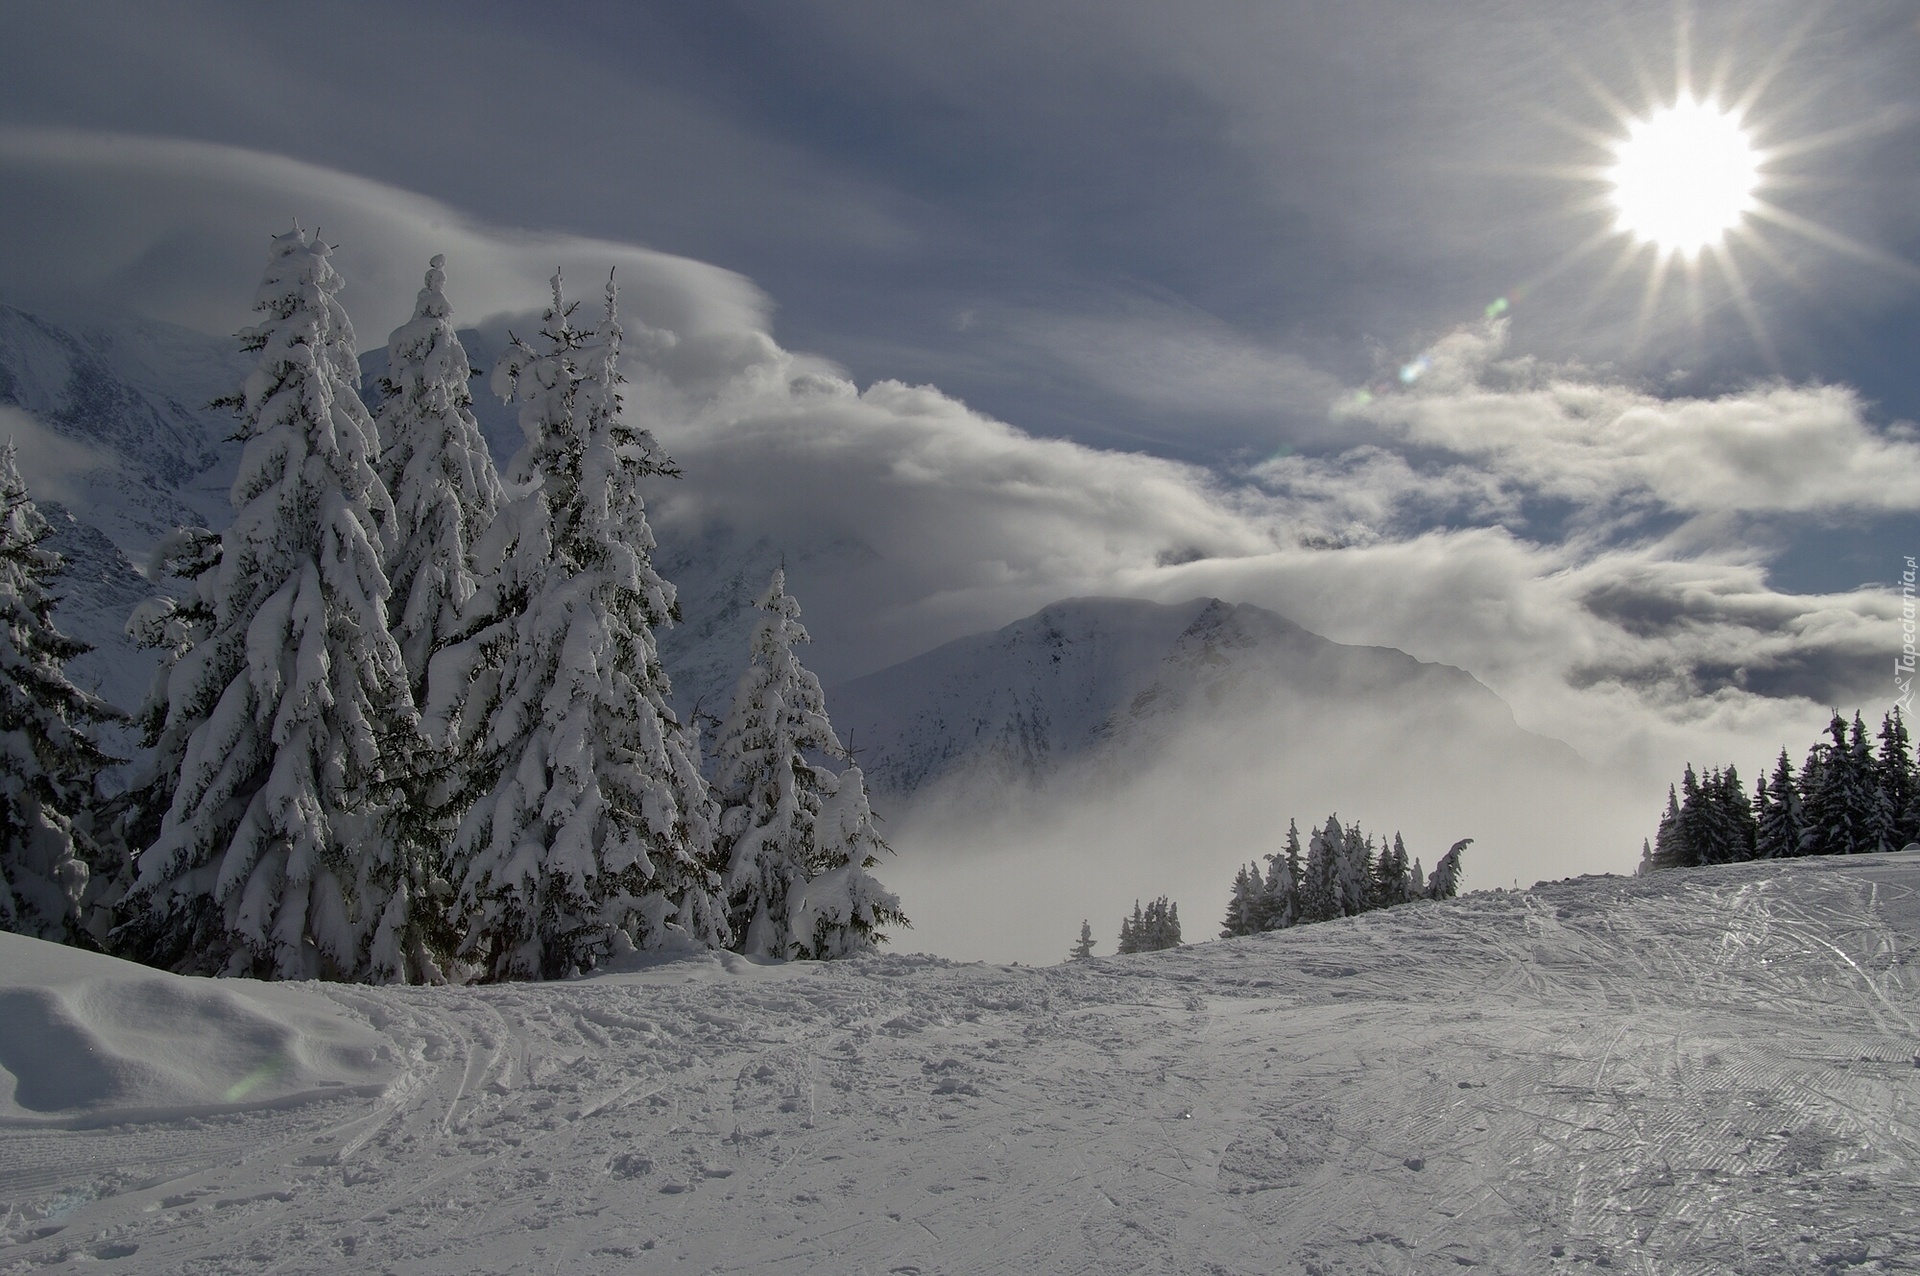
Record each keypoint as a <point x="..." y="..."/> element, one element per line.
<point x="1695" y="184"/>
<point x="1684" y="176"/>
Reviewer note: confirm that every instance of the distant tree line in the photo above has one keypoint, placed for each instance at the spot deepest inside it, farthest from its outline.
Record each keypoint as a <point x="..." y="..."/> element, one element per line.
<point x="1341" y="873"/>
<point x="1850" y="797"/>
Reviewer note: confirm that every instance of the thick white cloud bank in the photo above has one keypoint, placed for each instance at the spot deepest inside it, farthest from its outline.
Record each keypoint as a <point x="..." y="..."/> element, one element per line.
<point x="1588" y="550"/>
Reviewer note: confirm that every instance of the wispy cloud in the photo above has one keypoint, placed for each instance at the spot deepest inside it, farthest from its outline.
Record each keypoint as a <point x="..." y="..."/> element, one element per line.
<point x="178" y="229"/>
<point x="1616" y="450"/>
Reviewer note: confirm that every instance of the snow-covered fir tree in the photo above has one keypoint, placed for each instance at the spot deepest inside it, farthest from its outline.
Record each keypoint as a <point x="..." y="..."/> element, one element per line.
<point x="130" y="821"/>
<point x="445" y="490"/>
<point x="1444" y="883"/>
<point x="1152" y="929"/>
<point x="435" y="464"/>
<point x="1280" y="905"/>
<point x="1838" y="806"/>
<point x="1709" y="821"/>
<point x="843" y="908"/>
<point x="1879" y="814"/>
<point x="1850" y="797"/>
<point x="1169" y="923"/>
<point x="1390" y="878"/>
<point x="1353" y="871"/>
<point x="1667" y="851"/>
<point x="1692" y="834"/>
<point x="1728" y="826"/>
<point x="49" y="761"/>
<point x="1390" y="885"/>
<point x="589" y="829"/>
<point x="783" y="859"/>
<point x="1319" y="884"/>
<point x="1244" y="905"/>
<point x="291" y="701"/>
<point x="1779" y="824"/>
<point x="1894" y="776"/>
<point x="1083" y="948"/>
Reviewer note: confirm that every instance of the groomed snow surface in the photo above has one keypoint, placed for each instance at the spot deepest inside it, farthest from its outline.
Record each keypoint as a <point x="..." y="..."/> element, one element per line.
<point x="1705" y="1071"/>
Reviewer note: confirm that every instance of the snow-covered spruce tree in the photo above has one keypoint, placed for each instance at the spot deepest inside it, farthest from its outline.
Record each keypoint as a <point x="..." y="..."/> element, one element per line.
<point x="439" y="473"/>
<point x="1879" y="817"/>
<point x="1895" y="776"/>
<point x="786" y="860"/>
<point x="1243" y="906"/>
<point x="1156" y="928"/>
<point x="436" y="466"/>
<point x="588" y="827"/>
<point x="1445" y="881"/>
<point x="1319" y="885"/>
<point x="1726" y="824"/>
<point x="1167" y="923"/>
<point x="1084" y="948"/>
<point x="843" y="907"/>
<point x="1280" y="904"/>
<point x="49" y="762"/>
<point x="172" y="627"/>
<point x="272" y="859"/>
<point x="1353" y="872"/>
<point x="1691" y="831"/>
<point x="1389" y="885"/>
<point x="1667" y="852"/>
<point x="1778" y="822"/>
<point x="1826" y="801"/>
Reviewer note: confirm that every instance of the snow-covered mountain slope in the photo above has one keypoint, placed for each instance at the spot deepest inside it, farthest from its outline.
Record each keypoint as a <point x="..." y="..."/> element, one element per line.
<point x="131" y="396"/>
<point x="1699" y="1072"/>
<point x="119" y="447"/>
<point x="1099" y="677"/>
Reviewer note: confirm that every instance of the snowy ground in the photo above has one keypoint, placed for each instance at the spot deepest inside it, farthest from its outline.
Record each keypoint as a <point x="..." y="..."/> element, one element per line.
<point x="1706" y="1072"/>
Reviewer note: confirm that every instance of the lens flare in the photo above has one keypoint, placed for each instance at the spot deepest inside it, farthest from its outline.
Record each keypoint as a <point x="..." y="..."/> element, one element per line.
<point x="1684" y="176"/>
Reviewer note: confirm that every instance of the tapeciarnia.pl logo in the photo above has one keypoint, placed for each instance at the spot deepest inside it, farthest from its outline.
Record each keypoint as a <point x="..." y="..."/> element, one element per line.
<point x="1903" y="666"/>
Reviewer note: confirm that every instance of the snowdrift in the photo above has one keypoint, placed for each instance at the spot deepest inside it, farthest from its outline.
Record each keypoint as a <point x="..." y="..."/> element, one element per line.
<point x="87" y="1040"/>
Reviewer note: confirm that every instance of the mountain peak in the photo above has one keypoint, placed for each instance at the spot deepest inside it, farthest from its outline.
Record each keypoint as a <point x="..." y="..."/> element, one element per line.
<point x="1089" y="676"/>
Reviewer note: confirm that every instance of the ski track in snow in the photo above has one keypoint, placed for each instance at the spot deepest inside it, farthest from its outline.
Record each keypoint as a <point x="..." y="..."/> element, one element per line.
<point x="1710" y="1071"/>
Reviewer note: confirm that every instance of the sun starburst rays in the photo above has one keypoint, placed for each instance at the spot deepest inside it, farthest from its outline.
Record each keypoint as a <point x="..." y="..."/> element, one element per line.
<point x="1695" y="183"/>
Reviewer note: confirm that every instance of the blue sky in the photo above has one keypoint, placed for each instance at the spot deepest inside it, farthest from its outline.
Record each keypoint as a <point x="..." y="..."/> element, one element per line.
<point x="1189" y="235"/>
